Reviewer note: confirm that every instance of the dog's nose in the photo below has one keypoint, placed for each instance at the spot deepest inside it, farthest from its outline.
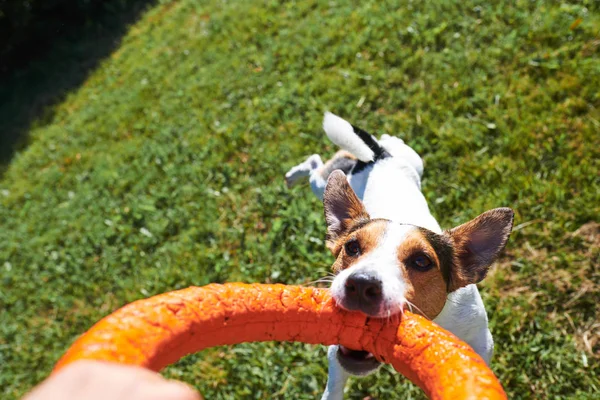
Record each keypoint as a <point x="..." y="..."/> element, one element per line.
<point x="364" y="289"/>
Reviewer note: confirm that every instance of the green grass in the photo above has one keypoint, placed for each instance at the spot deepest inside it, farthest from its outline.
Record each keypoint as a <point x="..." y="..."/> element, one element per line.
<point x="187" y="129"/>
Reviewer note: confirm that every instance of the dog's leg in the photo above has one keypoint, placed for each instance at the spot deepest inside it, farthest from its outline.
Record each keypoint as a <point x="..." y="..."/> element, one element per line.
<point x="302" y="170"/>
<point x="312" y="167"/>
<point x="337" y="377"/>
<point x="318" y="183"/>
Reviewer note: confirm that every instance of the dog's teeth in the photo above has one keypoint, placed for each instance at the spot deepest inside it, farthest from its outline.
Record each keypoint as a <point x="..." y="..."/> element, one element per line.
<point x="369" y="355"/>
<point x="344" y="350"/>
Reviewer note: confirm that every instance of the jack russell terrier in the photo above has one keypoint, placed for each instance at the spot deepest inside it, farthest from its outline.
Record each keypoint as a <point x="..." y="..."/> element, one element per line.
<point x="390" y="251"/>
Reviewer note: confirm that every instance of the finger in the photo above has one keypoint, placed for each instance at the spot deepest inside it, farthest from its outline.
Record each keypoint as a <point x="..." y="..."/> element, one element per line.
<point x="164" y="390"/>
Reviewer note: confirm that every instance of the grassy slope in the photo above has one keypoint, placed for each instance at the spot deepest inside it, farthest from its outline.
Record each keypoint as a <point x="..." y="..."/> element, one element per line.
<point x="187" y="129"/>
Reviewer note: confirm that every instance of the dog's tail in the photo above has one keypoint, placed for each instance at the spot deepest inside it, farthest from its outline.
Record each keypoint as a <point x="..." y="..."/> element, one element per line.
<point x="352" y="139"/>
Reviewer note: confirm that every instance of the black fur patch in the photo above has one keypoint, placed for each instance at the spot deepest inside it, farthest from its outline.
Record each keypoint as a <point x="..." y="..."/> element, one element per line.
<point x="370" y="141"/>
<point x="379" y="152"/>
<point x="360" y="165"/>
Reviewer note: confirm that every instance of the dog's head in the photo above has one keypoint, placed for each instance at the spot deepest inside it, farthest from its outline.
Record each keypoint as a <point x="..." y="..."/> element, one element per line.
<point x="382" y="266"/>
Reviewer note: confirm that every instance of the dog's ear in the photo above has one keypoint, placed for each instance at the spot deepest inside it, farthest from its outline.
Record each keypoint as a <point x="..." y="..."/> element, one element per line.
<point x="343" y="209"/>
<point x="477" y="244"/>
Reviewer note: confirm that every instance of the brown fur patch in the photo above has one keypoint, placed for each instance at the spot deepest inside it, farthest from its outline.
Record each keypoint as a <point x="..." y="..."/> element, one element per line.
<point x="368" y="235"/>
<point x="477" y="244"/>
<point x="425" y="289"/>
<point x="343" y="209"/>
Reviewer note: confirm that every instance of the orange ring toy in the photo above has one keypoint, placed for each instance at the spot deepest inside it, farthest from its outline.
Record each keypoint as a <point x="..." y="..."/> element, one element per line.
<point x="158" y="331"/>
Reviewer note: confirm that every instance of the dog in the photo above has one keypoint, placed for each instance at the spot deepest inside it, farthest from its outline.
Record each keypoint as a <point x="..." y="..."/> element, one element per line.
<point x="390" y="252"/>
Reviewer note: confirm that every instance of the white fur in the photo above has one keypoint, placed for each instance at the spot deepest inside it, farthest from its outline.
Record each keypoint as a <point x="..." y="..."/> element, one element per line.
<point x="381" y="262"/>
<point x="391" y="189"/>
<point x="340" y="132"/>
<point x="464" y="315"/>
<point x="336" y="378"/>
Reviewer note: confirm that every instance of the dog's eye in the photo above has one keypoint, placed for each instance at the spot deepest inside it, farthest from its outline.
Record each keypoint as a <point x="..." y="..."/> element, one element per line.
<point x="420" y="262"/>
<point x="352" y="248"/>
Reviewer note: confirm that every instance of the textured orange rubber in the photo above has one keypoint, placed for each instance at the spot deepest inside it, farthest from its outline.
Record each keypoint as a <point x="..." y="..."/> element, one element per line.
<point x="160" y="330"/>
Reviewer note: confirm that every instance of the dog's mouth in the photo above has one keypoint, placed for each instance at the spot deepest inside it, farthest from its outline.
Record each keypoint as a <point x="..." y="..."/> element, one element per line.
<point x="377" y="311"/>
<point x="357" y="362"/>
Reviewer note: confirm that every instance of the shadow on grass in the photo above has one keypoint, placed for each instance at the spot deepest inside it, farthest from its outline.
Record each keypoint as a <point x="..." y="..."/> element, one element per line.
<point x="43" y="71"/>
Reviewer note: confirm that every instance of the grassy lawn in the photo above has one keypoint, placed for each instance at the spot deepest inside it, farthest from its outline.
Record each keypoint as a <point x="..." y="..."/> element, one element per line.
<point x="164" y="169"/>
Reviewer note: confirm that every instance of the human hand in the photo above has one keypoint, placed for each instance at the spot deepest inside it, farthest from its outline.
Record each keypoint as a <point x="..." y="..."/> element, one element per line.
<point x="95" y="380"/>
